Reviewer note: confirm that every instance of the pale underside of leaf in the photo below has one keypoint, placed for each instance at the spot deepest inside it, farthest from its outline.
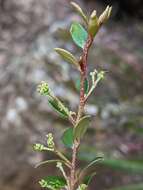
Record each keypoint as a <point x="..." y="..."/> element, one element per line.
<point x="80" y="11"/>
<point x="67" y="56"/>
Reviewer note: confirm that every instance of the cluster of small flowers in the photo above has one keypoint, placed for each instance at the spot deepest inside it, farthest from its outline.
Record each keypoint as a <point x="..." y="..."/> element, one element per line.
<point x="50" y="140"/>
<point x="50" y="143"/>
<point x="43" y="88"/>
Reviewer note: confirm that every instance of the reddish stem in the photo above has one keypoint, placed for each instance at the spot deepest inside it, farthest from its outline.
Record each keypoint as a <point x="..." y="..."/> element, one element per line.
<point x="83" y="66"/>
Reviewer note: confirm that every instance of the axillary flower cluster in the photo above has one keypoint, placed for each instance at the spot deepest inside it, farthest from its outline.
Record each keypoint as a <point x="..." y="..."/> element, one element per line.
<point x="72" y="177"/>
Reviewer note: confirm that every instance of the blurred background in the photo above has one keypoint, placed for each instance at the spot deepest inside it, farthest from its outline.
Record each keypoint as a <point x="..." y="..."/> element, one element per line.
<point x="29" y="30"/>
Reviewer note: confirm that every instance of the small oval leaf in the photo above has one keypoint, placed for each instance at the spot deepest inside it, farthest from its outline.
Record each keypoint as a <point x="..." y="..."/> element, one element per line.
<point x="58" y="107"/>
<point x="86" y="85"/>
<point x="80" y="11"/>
<point x="79" y="34"/>
<point x="67" y="56"/>
<point x="53" y="182"/>
<point x="81" y="127"/>
<point x="67" y="137"/>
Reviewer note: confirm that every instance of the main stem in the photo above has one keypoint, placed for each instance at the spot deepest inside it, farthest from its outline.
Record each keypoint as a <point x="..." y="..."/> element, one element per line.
<point x="83" y="66"/>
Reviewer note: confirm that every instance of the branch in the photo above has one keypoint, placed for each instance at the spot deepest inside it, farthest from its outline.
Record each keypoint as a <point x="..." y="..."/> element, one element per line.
<point x="83" y="66"/>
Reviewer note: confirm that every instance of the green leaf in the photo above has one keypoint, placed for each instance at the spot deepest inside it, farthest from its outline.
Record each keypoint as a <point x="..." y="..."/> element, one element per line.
<point x="53" y="182"/>
<point x="80" y="11"/>
<point x="67" y="56"/>
<point x="88" y="179"/>
<point x="79" y="34"/>
<point x="86" y="85"/>
<point x="67" y="137"/>
<point x="58" y="107"/>
<point x="81" y="127"/>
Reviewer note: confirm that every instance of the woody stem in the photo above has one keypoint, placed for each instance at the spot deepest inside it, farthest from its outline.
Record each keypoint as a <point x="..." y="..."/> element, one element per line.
<point x="83" y="66"/>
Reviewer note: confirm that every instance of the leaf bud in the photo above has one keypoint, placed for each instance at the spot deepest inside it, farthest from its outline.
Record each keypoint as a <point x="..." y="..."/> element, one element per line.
<point x="105" y="15"/>
<point x="93" y="24"/>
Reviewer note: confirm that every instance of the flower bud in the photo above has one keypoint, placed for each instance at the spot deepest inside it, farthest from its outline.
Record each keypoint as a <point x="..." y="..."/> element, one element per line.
<point x="38" y="147"/>
<point x="59" y="165"/>
<point x="101" y="75"/>
<point x="82" y="187"/>
<point x="50" y="141"/>
<point x="43" y="88"/>
<point x="43" y="183"/>
<point x="105" y="15"/>
<point x="93" y="24"/>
